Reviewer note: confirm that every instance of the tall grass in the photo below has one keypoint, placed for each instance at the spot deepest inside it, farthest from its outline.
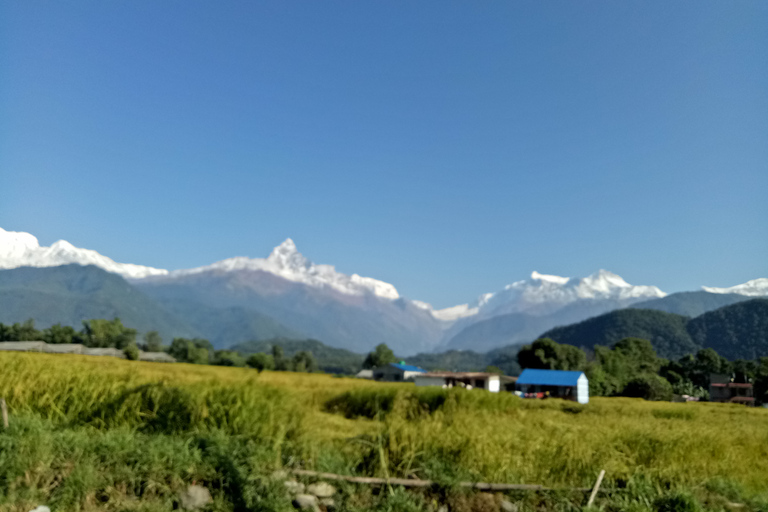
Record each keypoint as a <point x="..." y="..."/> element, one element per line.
<point x="167" y="425"/>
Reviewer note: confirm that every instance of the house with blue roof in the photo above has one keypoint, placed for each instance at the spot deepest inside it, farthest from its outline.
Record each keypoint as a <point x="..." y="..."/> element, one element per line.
<point x="534" y="383"/>
<point x="397" y="372"/>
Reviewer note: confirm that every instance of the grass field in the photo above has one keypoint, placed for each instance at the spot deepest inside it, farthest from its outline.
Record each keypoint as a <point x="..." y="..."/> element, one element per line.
<point x="95" y="433"/>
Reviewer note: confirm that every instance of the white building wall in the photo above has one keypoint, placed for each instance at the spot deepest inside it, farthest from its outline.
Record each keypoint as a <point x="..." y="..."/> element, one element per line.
<point x="582" y="390"/>
<point x="494" y="384"/>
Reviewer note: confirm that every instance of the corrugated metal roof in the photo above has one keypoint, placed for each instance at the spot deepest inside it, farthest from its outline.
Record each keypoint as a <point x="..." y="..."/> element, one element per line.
<point x="408" y="367"/>
<point x="548" y="377"/>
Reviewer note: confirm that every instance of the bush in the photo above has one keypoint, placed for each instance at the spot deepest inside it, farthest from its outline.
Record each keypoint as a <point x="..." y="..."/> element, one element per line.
<point x="261" y="362"/>
<point x="131" y="352"/>
<point x="649" y="387"/>
<point x="228" y="358"/>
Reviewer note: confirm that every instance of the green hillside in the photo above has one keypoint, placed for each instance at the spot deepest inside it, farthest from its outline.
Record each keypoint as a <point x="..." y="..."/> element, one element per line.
<point x="329" y="359"/>
<point x="739" y="331"/>
<point x="225" y="327"/>
<point x="666" y="331"/>
<point x="69" y="294"/>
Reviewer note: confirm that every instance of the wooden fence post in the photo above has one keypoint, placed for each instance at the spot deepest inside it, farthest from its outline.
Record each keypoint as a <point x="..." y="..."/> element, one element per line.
<point x="4" y="409"/>
<point x="596" y="487"/>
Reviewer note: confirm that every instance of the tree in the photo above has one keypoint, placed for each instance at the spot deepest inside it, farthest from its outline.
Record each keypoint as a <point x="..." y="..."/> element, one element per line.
<point x="493" y="369"/>
<point x="281" y="363"/>
<point x="650" y="387"/>
<point x="58" y="334"/>
<point x="107" y="333"/>
<point x="382" y="355"/>
<point x="153" y="342"/>
<point x="228" y="358"/>
<point x="304" y="362"/>
<point x="190" y="351"/>
<point x="546" y="354"/>
<point x="131" y="352"/>
<point x="261" y="362"/>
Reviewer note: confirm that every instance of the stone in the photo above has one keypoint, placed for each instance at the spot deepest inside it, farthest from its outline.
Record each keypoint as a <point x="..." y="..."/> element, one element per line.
<point x="508" y="506"/>
<point x="280" y="474"/>
<point x="41" y="508"/>
<point x="195" y="497"/>
<point x="321" y="490"/>
<point x="294" y="487"/>
<point x="442" y="508"/>
<point x="328" y="503"/>
<point x="305" y="502"/>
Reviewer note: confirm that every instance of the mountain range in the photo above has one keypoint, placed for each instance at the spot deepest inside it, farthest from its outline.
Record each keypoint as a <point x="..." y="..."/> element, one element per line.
<point x="288" y="296"/>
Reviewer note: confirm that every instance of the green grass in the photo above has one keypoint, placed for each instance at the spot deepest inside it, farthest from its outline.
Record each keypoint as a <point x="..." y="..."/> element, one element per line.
<point x="91" y="433"/>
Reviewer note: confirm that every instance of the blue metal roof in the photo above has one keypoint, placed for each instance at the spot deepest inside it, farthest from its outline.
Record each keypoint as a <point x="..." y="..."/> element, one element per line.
<point x="548" y="377"/>
<point x="408" y="367"/>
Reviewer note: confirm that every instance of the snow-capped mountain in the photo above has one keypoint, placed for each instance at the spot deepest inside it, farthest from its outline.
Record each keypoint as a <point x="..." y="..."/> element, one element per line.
<point x="287" y="262"/>
<point x="753" y="288"/>
<point x="543" y="294"/>
<point x="18" y="249"/>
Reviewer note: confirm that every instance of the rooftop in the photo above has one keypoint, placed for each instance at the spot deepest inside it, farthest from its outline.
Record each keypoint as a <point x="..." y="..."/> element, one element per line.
<point x="535" y="377"/>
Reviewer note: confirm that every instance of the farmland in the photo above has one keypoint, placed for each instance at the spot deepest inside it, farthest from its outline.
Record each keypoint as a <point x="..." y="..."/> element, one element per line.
<point x="92" y="433"/>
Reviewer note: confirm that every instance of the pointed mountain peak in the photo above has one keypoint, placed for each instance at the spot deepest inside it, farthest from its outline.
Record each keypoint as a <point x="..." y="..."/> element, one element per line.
<point x="286" y="255"/>
<point x="607" y="277"/>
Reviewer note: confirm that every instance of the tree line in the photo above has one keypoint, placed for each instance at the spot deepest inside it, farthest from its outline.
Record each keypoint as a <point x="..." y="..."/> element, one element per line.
<point x="102" y="333"/>
<point x="632" y="368"/>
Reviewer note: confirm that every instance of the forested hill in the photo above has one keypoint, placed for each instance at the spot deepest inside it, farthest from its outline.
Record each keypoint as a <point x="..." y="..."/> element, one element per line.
<point x="69" y="294"/>
<point x="738" y="331"/>
<point x="666" y="331"/>
<point x="329" y="359"/>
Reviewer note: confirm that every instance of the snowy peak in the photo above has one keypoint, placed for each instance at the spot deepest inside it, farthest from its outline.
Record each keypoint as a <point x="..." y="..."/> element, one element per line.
<point x="753" y="288"/>
<point x="287" y="256"/>
<point x="287" y="262"/>
<point x="18" y="249"/>
<point x="535" y="276"/>
<point x="544" y="293"/>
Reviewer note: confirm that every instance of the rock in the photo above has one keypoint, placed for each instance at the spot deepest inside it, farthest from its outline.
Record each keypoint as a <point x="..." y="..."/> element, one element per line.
<point x="321" y="490"/>
<point x="442" y="508"/>
<point x="305" y="502"/>
<point x="280" y="474"/>
<point x="195" y="497"/>
<point x="328" y="503"/>
<point x="508" y="506"/>
<point x="294" y="487"/>
<point x="41" y="508"/>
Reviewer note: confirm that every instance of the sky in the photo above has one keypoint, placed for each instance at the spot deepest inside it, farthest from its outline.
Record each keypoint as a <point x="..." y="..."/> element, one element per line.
<point x="449" y="148"/>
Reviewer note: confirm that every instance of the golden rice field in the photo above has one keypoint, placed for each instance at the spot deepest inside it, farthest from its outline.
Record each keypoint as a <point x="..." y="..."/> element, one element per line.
<point x="97" y="433"/>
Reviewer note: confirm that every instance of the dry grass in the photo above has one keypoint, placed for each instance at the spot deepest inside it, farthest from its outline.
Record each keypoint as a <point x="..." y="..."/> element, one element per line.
<point x="327" y="423"/>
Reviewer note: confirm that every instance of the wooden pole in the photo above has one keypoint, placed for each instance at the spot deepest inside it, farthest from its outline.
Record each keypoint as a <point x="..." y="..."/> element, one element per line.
<point x="405" y="482"/>
<point x="4" y="409"/>
<point x="596" y="487"/>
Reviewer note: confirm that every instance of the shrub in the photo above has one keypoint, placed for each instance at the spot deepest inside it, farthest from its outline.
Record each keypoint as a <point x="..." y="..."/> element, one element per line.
<point x="649" y="387"/>
<point x="261" y="362"/>
<point x="131" y="352"/>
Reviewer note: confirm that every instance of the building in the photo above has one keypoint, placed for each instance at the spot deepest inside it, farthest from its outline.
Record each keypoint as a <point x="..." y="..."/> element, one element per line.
<point x="365" y="374"/>
<point x="722" y="389"/>
<point x="554" y="383"/>
<point x="470" y="380"/>
<point x="397" y="372"/>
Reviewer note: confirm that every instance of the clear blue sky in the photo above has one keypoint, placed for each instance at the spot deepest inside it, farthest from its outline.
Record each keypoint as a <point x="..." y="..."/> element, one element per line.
<point x="449" y="148"/>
